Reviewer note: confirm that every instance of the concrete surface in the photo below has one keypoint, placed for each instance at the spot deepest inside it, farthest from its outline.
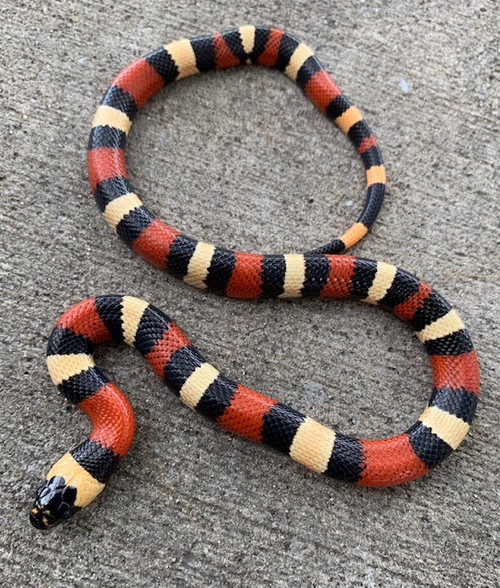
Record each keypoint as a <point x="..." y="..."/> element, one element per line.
<point x="240" y="158"/>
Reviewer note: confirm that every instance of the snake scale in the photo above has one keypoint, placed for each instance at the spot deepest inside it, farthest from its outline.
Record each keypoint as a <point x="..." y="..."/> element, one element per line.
<point x="81" y="474"/>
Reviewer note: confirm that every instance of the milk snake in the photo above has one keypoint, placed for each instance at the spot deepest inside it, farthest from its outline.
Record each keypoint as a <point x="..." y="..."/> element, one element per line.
<point x="80" y="475"/>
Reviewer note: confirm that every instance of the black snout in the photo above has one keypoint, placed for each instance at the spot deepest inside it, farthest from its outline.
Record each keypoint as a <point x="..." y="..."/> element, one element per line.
<point x="36" y="521"/>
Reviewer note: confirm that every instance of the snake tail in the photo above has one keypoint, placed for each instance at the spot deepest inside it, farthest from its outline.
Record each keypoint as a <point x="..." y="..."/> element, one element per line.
<point x="121" y="206"/>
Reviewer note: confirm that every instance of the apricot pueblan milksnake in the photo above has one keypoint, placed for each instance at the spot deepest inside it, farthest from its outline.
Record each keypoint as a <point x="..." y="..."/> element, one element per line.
<point x="80" y="475"/>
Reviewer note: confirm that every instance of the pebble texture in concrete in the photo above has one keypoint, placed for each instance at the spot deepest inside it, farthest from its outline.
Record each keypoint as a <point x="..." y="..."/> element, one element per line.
<point x="240" y="158"/>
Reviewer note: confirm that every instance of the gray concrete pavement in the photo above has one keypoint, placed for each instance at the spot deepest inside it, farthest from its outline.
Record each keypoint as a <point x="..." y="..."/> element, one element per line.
<point x="242" y="159"/>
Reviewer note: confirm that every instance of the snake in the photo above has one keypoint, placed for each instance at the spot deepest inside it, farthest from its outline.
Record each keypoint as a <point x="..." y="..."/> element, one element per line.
<point x="81" y="474"/>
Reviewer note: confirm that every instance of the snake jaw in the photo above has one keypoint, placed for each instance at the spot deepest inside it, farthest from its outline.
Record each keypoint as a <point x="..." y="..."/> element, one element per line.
<point x="54" y="503"/>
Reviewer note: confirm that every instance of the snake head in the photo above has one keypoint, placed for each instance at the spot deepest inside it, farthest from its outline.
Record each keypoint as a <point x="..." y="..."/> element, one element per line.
<point x="54" y="503"/>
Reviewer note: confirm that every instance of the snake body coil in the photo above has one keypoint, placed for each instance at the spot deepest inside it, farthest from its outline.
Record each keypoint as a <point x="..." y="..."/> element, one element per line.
<point x="80" y="475"/>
